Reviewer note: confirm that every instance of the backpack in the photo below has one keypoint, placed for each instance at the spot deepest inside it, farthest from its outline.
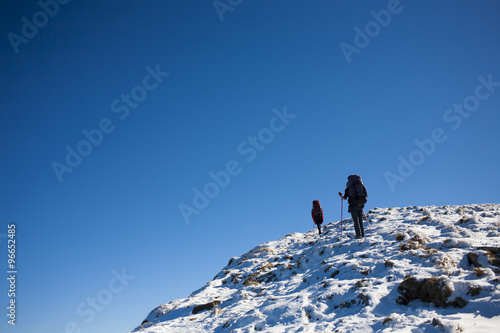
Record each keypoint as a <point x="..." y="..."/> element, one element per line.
<point x="356" y="191"/>
<point x="317" y="212"/>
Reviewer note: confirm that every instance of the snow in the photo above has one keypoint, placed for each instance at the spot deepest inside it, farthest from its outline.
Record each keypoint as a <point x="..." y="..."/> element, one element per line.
<point x="307" y="282"/>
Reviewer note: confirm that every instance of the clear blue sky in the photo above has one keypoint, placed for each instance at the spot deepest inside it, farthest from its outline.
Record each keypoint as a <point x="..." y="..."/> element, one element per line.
<point x="170" y="91"/>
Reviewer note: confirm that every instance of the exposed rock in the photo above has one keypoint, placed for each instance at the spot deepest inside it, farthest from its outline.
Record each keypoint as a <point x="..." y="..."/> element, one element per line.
<point x="409" y="290"/>
<point x="388" y="264"/>
<point x="250" y="280"/>
<point x="365" y="300"/>
<point x="345" y="305"/>
<point x="204" y="307"/>
<point x="493" y="254"/>
<point x="360" y="284"/>
<point x="433" y="290"/>
<point x="472" y="259"/>
<point x="474" y="290"/>
<point x="459" y="302"/>
<point x="269" y="277"/>
<point x="436" y="322"/>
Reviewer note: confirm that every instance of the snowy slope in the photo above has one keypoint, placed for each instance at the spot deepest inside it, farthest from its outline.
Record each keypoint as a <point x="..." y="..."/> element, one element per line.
<point x="310" y="283"/>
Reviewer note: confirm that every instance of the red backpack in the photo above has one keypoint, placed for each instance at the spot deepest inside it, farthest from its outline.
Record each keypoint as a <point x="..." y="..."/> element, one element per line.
<point x="317" y="212"/>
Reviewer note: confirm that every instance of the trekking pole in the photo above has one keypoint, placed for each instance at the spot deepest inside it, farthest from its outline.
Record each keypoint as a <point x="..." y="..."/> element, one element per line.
<point x="366" y="217"/>
<point x="341" y="213"/>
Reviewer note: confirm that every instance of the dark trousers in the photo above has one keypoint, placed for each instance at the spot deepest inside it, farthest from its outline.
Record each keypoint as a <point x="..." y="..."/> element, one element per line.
<point x="317" y="221"/>
<point x="357" y="218"/>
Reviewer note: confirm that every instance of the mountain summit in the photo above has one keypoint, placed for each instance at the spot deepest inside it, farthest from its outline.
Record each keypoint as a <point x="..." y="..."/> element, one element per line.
<point x="421" y="269"/>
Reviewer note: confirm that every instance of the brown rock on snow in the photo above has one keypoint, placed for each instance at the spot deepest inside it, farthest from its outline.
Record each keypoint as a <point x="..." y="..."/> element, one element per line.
<point x="203" y="307"/>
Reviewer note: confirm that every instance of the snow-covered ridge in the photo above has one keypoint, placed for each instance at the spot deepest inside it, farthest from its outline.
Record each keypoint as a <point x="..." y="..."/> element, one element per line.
<point x="305" y="282"/>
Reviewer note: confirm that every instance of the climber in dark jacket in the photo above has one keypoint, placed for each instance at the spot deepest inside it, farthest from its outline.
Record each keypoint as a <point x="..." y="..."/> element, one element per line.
<point x="354" y="190"/>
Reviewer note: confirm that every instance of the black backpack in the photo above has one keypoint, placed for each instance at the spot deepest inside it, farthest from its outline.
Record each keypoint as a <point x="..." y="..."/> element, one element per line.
<point x="356" y="190"/>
